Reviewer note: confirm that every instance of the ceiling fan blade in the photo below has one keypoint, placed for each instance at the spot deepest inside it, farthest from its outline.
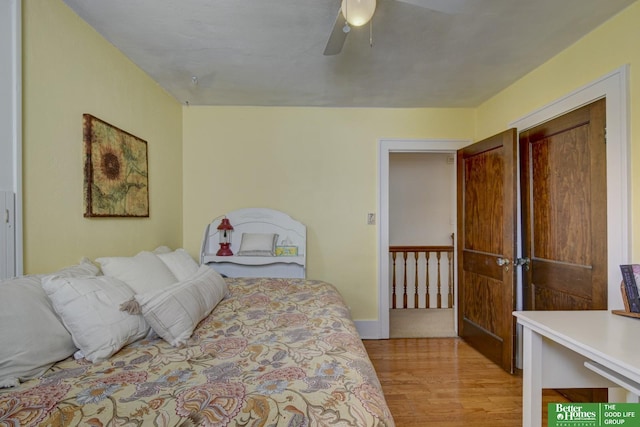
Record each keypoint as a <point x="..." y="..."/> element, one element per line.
<point x="444" y="6"/>
<point x="337" y="37"/>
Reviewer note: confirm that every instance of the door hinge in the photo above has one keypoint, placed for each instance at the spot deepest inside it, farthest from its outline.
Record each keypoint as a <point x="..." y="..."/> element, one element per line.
<point x="605" y="135"/>
<point x="6" y="216"/>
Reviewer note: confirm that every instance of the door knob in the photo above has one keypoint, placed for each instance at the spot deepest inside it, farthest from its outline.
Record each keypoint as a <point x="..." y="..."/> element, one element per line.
<point x="502" y="261"/>
<point x="522" y="262"/>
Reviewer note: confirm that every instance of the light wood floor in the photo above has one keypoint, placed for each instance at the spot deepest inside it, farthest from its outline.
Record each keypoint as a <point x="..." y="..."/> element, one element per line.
<point x="440" y="382"/>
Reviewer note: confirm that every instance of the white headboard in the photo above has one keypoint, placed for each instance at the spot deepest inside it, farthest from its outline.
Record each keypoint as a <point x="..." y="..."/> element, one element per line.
<point x="257" y="220"/>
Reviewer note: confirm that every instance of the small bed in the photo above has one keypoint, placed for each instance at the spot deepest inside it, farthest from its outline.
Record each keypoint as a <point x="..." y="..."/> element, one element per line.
<point x="270" y="352"/>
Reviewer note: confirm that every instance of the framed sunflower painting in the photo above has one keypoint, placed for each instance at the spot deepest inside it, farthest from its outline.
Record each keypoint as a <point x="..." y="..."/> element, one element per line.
<point x="115" y="171"/>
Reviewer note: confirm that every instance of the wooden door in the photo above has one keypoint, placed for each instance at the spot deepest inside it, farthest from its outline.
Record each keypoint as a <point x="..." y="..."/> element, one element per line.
<point x="564" y="209"/>
<point x="487" y="189"/>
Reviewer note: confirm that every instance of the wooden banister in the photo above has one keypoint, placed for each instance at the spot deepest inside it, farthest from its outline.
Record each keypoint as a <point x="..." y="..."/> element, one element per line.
<point x="423" y="268"/>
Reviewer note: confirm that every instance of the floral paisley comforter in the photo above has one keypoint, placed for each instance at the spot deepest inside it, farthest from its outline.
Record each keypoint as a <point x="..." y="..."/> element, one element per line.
<point x="276" y="352"/>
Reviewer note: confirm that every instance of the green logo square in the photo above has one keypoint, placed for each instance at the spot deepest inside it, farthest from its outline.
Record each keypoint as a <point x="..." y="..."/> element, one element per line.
<point x="593" y="414"/>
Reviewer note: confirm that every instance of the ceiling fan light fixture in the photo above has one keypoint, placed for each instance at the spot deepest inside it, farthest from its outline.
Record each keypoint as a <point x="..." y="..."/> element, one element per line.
<point x="358" y="12"/>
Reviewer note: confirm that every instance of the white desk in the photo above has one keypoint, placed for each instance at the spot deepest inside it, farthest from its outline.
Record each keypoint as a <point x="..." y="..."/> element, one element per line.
<point x="576" y="349"/>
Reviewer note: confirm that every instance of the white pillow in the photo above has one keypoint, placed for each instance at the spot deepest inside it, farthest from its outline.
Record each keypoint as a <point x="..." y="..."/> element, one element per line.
<point x="85" y="268"/>
<point x="162" y="250"/>
<point x="90" y="309"/>
<point x="258" y="244"/>
<point x="180" y="263"/>
<point x="174" y="312"/>
<point x="144" y="272"/>
<point x="32" y="338"/>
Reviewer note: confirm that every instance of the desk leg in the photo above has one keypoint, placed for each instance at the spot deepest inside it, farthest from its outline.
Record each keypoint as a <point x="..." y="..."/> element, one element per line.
<point x="531" y="379"/>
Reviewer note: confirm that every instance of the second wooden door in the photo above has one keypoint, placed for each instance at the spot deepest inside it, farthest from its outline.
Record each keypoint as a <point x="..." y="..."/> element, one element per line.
<point x="564" y="205"/>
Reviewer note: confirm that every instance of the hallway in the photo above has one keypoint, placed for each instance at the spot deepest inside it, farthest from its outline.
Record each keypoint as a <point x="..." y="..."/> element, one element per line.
<point x="421" y="323"/>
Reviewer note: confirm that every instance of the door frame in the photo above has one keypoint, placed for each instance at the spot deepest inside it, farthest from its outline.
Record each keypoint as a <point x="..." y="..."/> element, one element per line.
<point x="613" y="87"/>
<point x="12" y="107"/>
<point x="387" y="146"/>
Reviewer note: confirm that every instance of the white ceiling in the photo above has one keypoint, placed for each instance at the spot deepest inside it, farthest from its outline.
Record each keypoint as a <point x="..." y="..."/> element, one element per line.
<point x="443" y="53"/>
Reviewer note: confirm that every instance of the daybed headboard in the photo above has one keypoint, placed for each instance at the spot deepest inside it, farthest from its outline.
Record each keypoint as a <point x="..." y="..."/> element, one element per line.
<point x="291" y="233"/>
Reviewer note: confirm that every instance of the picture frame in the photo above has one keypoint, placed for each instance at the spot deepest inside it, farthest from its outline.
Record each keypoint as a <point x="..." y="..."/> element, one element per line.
<point x="116" y="181"/>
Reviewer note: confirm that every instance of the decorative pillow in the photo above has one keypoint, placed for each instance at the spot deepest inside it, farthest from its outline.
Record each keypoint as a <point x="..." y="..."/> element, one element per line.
<point x="258" y="244"/>
<point x="180" y="263"/>
<point x="144" y="272"/>
<point x="90" y="309"/>
<point x="174" y="312"/>
<point x="32" y="338"/>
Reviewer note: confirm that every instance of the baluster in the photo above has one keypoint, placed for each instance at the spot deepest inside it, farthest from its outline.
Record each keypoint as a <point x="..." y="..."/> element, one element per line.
<point x="450" y="282"/>
<point x="427" y="254"/>
<point x="393" y="302"/>
<point x="439" y="296"/>
<point x="450" y="260"/>
<point x="450" y="257"/>
<point x="404" y="296"/>
<point x="415" y="281"/>
<point x="417" y="250"/>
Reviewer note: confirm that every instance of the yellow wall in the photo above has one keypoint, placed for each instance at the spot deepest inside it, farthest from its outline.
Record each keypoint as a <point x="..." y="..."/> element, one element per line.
<point x="68" y="70"/>
<point x="605" y="49"/>
<point x="317" y="164"/>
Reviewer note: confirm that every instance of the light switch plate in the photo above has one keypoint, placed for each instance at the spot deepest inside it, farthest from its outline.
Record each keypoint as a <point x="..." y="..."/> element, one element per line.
<point x="371" y="218"/>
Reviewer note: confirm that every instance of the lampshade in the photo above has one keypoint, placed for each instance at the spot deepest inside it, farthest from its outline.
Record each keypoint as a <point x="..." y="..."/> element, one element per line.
<point x="225" y="224"/>
<point x="358" y="12"/>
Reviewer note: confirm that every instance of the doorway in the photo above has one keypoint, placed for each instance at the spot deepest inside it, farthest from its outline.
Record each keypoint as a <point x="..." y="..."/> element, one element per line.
<point x="613" y="87"/>
<point x="421" y="216"/>
<point x="387" y="147"/>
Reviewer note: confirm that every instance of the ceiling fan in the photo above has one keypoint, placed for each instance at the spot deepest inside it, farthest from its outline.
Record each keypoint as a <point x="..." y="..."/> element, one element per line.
<point x="359" y="12"/>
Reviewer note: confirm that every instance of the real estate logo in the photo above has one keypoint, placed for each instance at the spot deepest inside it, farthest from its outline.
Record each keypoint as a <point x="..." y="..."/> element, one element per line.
<point x="593" y="414"/>
<point x="574" y="415"/>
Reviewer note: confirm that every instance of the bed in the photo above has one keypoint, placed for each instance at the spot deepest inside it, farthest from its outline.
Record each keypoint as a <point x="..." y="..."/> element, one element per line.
<point x="271" y="352"/>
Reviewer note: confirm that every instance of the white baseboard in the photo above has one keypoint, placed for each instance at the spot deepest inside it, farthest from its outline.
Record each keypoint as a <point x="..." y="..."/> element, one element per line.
<point x="368" y="329"/>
